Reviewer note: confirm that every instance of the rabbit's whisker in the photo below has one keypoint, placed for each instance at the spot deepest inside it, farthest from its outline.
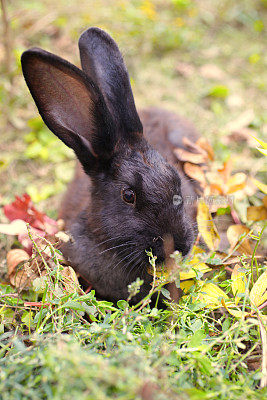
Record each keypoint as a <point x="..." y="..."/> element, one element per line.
<point x="115" y="247"/>
<point x="129" y="255"/>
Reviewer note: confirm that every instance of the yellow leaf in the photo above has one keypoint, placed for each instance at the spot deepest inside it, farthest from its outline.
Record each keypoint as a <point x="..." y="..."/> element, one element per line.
<point x="234" y="233"/>
<point x="236" y="312"/>
<point x="239" y="282"/>
<point x="197" y="250"/>
<point x="256" y="213"/>
<point x="161" y="272"/>
<point x="211" y="295"/>
<point x="186" y="285"/>
<point x="258" y="294"/>
<point x="195" y="263"/>
<point x="206" y="226"/>
<point x="260" y="185"/>
<point x="192" y="273"/>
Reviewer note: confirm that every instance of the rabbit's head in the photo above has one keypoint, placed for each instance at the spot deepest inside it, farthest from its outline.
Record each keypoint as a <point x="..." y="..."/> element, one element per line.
<point x="136" y="195"/>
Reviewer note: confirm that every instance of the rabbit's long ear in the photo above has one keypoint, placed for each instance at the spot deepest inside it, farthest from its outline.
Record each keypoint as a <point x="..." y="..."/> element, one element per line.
<point x="70" y="104"/>
<point x="102" y="61"/>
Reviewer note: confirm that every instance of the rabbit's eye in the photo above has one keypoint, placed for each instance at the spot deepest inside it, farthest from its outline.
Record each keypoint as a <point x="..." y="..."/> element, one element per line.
<point x="128" y="196"/>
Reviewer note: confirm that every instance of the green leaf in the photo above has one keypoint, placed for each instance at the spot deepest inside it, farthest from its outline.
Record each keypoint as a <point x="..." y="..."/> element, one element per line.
<point x="166" y="293"/>
<point x="122" y="304"/>
<point x="219" y="91"/>
<point x="74" y="305"/>
<point x="196" y="339"/>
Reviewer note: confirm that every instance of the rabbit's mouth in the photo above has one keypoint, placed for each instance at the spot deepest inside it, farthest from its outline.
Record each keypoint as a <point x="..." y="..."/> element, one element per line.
<point x="163" y="247"/>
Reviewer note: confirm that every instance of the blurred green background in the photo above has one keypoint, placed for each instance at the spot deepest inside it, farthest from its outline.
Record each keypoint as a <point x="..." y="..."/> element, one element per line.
<point x="204" y="59"/>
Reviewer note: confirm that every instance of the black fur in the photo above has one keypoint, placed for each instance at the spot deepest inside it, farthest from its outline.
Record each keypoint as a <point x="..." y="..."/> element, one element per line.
<point x="102" y="61"/>
<point x="94" y="113"/>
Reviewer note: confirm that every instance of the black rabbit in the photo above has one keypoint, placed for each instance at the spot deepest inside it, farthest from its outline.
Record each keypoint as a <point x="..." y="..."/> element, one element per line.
<point x="121" y="201"/>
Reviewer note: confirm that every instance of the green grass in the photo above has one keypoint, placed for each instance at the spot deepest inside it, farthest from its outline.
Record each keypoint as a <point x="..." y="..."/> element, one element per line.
<point x="77" y="347"/>
<point x="70" y="344"/>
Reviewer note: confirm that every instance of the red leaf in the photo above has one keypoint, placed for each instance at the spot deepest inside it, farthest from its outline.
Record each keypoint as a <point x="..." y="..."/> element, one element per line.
<point x="23" y="208"/>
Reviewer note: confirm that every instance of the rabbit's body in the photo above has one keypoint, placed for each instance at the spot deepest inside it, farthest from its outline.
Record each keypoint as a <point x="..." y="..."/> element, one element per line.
<point x="121" y="201"/>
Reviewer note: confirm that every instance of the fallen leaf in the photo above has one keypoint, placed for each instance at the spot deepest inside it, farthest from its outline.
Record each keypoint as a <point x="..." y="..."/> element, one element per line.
<point x="206" y="226"/>
<point x="70" y="280"/>
<point x="263" y="151"/>
<point x="192" y="146"/>
<point x="192" y="273"/>
<point x="195" y="172"/>
<point x="236" y="182"/>
<point x="16" y="227"/>
<point x="15" y="257"/>
<point x="262" y="143"/>
<point x="226" y="170"/>
<point x="186" y="285"/>
<point x="258" y="293"/>
<point x="256" y="213"/>
<point x="211" y="295"/>
<point x="239" y="282"/>
<point x="22" y="208"/>
<point x="234" y="235"/>
<point x="260" y="185"/>
<point x="63" y="236"/>
<point x="204" y="144"/>
<point x="195" y="158"/>
<point x="19" y="270"/>
<point x="233" y="310"/>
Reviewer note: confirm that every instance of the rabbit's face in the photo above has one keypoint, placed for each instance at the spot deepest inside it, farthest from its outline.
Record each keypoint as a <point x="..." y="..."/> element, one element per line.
<point x="135" y="203"/>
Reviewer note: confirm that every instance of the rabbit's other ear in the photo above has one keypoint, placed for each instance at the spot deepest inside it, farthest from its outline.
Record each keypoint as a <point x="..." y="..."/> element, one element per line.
<point x="102" y="61"/>
<point x="71" y="105"/>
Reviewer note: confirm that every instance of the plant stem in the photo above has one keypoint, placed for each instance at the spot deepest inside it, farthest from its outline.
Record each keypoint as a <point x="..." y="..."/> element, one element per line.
<point x="254" y="252"/>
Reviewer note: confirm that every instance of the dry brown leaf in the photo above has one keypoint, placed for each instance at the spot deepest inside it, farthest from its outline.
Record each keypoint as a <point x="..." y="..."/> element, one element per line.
<point x="264" y="200"/>
<point x="193" y="146"/>
<point x="15" y="257"/>
<point x="204" y="144"/>
<point x="256" y="213"/>
<point x="19" y="271"/>
<point x="184" y="155"/>
<point x="206" y="226"/>
<point x="70" y="280"/>
<point x="195" y="172"/>
<point x="234" y="234"/>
